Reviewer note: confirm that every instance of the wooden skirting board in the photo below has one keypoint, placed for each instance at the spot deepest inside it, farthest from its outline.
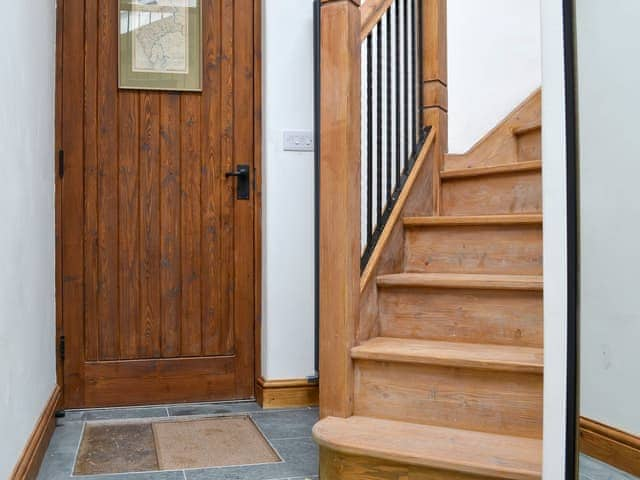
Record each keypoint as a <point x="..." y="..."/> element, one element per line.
<point x="610" y="445"/>
<point x="286" y="393"/>
<point x="33" y="453"/>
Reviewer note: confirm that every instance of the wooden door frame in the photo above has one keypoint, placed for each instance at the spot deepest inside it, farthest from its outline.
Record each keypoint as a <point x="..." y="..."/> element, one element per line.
<point x="257" y="196"/>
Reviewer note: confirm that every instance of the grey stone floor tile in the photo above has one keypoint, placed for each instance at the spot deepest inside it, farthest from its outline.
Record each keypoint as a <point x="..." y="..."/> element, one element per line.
<point x="286" y="424"/>
<point x="288" y="431"/>
<point x="116" y="414"/>
<point x="57" y="463"/>
<point x="300" y="461"/>
<point x="592" y="469"/>
<point x="213" y="409"/>
<point x="136" y="476"/>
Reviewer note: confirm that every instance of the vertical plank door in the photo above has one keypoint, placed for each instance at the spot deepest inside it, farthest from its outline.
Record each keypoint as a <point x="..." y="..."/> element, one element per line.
<point x="157" y="252"/>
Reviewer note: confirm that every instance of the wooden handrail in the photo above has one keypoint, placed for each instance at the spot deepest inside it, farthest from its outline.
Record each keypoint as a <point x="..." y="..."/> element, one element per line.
<point x="371" y="13"/>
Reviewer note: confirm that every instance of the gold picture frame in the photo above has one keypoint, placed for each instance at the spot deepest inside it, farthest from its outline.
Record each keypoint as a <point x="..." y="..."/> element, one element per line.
<point x="160" y="45"/>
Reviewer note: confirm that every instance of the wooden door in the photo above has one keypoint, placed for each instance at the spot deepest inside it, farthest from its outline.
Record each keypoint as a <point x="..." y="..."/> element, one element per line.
<point x="157" y="254"/>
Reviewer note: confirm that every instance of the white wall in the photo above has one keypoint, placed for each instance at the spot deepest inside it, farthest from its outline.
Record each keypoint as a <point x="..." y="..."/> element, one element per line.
<point x="555" y="240"/>
<point x="608" y="79"/>
<point x="288" y="186"/>
<point x="494" y="64"/>
<point x="27" y="313"/>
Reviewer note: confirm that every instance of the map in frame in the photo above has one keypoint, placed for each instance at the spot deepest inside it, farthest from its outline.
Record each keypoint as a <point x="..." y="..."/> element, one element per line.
<point x="160" y="44"/>
<point x="160" y="36"/>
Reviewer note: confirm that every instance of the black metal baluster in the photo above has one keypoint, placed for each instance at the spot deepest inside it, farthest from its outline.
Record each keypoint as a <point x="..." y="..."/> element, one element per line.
<point x="414" y="61"/>
<point x="404" y="128"/>
<point x="398" y="94"/>
<point x="407" y="108"/>
<point x="389" y="109"/>
<point x="420" y="73"/>
<point x="379" y="124"/>
<point x="369" y="138"/>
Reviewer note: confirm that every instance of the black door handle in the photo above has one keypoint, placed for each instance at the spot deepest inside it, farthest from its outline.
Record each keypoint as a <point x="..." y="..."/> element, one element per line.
<point x="244" y="184"/>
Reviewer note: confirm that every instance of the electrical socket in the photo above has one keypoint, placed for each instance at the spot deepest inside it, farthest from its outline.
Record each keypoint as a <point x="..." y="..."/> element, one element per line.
<point x="298" y="141"/>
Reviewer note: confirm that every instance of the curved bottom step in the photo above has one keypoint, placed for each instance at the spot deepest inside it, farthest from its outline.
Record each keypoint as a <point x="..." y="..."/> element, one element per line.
<point x="455" y="454"/>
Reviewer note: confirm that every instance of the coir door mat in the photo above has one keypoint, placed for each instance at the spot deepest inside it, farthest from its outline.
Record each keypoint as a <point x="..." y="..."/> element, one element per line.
<point x="116" y="448"/>
<point x="213" y="442"/>
<point x="110" y="448"/>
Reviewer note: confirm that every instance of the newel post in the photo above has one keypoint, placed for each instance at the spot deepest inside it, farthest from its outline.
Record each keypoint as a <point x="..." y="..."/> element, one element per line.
<point x="339" y="202"/>
<point x="434" y="74"/>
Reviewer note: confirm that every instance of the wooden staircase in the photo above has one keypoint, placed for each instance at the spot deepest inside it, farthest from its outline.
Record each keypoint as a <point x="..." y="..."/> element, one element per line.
<point x="448" y="381"/>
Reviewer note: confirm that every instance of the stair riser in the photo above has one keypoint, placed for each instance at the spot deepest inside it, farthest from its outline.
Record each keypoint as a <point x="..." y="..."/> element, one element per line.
<point x="472" y="399"/>
<point x="530" y="146"/>
<point x="500" y="249"/>
<point x="493" y="194"/>
<point x="473" y="316"/>
<point x="338" y="466"/>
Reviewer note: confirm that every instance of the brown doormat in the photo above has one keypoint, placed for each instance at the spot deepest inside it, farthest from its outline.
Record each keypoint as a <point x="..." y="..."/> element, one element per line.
<point x="116" y="448"/>
<point x="212" y="442"/>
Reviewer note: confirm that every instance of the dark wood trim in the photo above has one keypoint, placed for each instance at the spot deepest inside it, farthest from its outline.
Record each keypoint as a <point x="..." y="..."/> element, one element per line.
<point x="610" y="445"/>
<point x="29" y="462"/>
<point x="286" y="393"/>
<point x="58" y="188"/>
<point x="257" y="52"/>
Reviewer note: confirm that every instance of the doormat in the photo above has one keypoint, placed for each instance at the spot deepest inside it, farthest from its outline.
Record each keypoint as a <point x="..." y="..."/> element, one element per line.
<point x="213" y="442"/>
<point x="116" y="448"/>
<point x="111" y="448"/>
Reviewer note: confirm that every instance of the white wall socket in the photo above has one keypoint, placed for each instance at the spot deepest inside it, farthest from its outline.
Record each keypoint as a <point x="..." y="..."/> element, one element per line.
<point x="298" y="141"/>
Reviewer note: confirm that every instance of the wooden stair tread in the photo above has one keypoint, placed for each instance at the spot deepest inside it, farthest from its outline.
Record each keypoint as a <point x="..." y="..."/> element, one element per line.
<point x="526" y="128"/>
<point x="453" y="354"/>
<point x="478" y="453"/>
<point x="462" y="280"/>
<point x="492" y="170"/>
<point x="513" y="219"/>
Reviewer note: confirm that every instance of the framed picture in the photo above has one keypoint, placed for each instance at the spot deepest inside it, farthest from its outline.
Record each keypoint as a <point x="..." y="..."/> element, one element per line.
<point x="160" y="45"/>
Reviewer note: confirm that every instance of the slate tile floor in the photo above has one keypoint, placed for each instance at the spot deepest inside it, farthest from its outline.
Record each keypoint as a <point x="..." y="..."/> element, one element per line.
<point x="288" y="431"/>
<point x="592" y="469"/>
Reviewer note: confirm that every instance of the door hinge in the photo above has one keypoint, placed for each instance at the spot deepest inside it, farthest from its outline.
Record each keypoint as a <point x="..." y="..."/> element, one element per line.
<point x="61" y="163"/>
<point x="61" y="347"/>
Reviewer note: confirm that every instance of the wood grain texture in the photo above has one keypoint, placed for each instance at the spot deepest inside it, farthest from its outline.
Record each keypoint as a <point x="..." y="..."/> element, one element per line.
<point x="153" y="381"/>
<point x="158" y="256"/>
<point x="58" y="188"/>
<point x="370" y="14"/>
<point x="610" y="445"/>
<point x="459" y="315"/>
<point x="462" y="281"/>
<point x="435" y="81"/>
<point x="296" y="393"/>
<point x="500" y="145"/>
<point x="509" y="220"/>
<point x="450" y="396"/>
<point x="468" y="248"/>
<point x="500" y="194"/>
<point x="28" y="464"/>
<point x="339" y="237"/>
<point x="419" y="201"/>
<point x="527" y="166"/>
<point x="452" y="354"/>
<point x="334" y="465"/>
<point x="529" y="143"/>
<point x="435" y="95"/>
<point x="465" y="452"/>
